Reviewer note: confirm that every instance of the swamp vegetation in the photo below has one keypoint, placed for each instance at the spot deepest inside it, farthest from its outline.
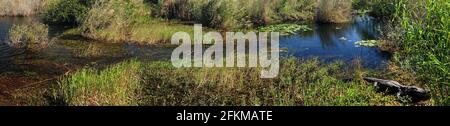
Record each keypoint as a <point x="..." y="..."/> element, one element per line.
<point x="106" y="39"/>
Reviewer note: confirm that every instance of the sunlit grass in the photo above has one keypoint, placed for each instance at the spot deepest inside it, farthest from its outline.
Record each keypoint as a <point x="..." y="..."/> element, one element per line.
<point x="115" y="85"/>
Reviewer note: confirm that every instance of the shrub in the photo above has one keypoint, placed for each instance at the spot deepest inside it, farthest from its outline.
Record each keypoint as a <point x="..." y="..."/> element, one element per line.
<point x="66" y="11"/>
<point x="31" y="37"/>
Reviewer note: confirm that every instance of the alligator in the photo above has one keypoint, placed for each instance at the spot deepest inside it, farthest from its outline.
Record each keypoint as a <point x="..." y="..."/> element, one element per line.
<point x="395" y="88"/>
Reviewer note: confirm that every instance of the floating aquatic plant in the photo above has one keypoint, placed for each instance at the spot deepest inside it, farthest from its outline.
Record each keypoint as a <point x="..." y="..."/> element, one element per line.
<point x="367" y="43"/>
<point x="285" y="29"/>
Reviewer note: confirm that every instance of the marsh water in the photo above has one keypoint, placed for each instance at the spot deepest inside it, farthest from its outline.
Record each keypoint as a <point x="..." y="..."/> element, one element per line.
<point x="327" y="42"/>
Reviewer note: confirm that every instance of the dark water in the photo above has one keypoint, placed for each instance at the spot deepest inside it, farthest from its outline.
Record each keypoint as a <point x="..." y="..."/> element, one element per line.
<point x="325" y="42"/>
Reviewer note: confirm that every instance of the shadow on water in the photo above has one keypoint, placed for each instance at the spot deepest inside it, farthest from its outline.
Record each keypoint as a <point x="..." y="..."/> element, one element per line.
<point x="330" y="42"/>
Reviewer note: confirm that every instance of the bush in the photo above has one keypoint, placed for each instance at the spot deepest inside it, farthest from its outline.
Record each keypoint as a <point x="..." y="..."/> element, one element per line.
<point x="31" y="37"/>
<point x="66" y="11"/>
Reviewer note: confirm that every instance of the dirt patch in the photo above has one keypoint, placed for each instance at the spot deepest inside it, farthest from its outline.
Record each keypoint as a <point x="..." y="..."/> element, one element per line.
<point x="39" y="73"/>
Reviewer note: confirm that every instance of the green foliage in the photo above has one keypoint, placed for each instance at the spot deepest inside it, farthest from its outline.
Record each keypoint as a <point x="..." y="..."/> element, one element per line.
<point x="127" y="21"/>
<point x="115" y="85"/>
<point x="31" y="37"/>
<point x="66" y="11"/>
<point x="425" y="40"/>
<point x="377" y="8"/>
<point x="299" y="83"/>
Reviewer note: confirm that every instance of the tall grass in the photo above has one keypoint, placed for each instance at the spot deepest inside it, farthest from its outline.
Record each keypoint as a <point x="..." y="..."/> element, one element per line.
<point x="425" y="30"/>
<point x="377" y="8"/>
<point x="115" y="85"/>
<point x="229" y="14"/>
<point x="301" y="82"/>
<point x="336" y="11"/>
<point x="127" y="21"/>
<point x="21" y="7"/>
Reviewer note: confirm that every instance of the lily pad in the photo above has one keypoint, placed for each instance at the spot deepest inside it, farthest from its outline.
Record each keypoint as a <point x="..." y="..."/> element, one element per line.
<point x="367" y="43"/>
<point x="285" y="29"/>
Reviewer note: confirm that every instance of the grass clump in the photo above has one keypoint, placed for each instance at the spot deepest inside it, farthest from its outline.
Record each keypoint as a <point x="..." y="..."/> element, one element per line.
<point x="31" y="37"/>
<point x="115" y="85"/>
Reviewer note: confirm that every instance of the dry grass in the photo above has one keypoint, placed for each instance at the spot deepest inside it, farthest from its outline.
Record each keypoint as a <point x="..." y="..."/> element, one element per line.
<point x="21" y="7"/>
<point x="229" y="14"/>
<point x="335" y="11"/>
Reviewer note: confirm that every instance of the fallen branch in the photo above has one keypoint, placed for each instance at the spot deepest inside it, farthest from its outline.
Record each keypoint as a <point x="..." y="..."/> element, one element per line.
<point x="395" y="88"/>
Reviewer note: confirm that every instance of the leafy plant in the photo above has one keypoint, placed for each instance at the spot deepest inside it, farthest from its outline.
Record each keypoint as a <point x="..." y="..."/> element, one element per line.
<point x="66" y="11"/>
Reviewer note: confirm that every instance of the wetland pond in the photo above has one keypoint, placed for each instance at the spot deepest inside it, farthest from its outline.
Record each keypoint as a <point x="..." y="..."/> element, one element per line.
<point x="327" y="42"/>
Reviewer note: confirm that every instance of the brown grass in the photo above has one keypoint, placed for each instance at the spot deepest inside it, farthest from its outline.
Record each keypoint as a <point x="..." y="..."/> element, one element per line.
<point x="334" y="11"/>
<point x="20" y="7"/>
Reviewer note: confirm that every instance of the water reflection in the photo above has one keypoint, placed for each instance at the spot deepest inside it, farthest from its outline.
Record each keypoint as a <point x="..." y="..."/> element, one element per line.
<point x="330" y="42"/>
